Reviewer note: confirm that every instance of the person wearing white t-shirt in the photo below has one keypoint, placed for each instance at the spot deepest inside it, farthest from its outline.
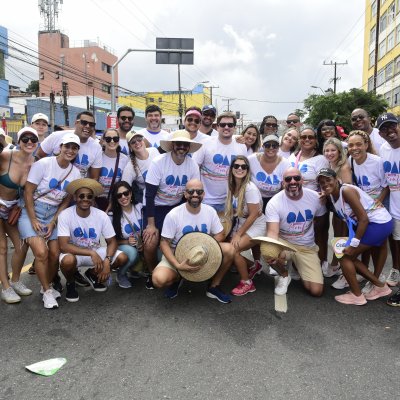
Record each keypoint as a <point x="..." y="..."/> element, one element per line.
<point x="153" y="132"/>
<point x="191" y="216"/>
<point x="80" y="228"/>
<point x="290" y="218"/>
<point x="45" y="198"/>
<point x="166" y="180"/>
<point x="214" y="159"/>
<point x="88" y="160"/>
<point x="125" y="116"/>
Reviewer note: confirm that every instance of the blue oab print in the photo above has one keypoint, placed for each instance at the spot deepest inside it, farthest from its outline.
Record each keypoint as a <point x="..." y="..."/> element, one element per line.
<point x="82" y="159"/>
<point x="391" y="169"/>
<point x="109" y="173"/>
<point x="79" y="233"/>
<point x="363" y="181"/>
<point x="189" y="228"/>
<point x="128" y="229"/>
<point x="53" y="184"/>
<point x="293" y="218"/>
<point x="220" y="159"/>
<point x="269" y="179"/>
<point x="172" y="180"/>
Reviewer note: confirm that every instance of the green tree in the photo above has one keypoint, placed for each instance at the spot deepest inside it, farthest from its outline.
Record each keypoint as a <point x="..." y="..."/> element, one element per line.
<point x="339" y="106"/>
<point x="33" y="87"/>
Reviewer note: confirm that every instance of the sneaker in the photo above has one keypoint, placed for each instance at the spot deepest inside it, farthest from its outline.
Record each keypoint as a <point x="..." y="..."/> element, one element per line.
<point x="93" y="282"/>
<point x="255" y="269"/>
<point x="328" y="270"/>
<point x="134" y="275"/>
<point x="172" y="291"/>
<point x="123" y="281"/>
<point x="369" y="285"/>
<point x="340" y="283"/>
<point x="57" y="283"/>
<point x="31" y="270"/>
<point x="282" y="284"/>
<point x="9" y="296"/>
<point x="20" y="288"/>
<point x="350" y="298"/>
<point x="377" y="292"/>
<point x="72" y="294"/>
<point x="48" y="300"/>
<point x="80" y="279"/>
<point x="394" y="300"/>
<point x="243" y="288"/>
<point x="149" y="283"/>
<point x="272" y="272"/>
<point x="56" y="293"/>
<point x="393" y="278"/>
<point x="216" y="293"/>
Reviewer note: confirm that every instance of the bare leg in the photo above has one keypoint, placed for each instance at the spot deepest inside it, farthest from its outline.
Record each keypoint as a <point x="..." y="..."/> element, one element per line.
<point x="19" y="254"/>
<point x="3" y="257"/>
<point x="150" y="253"/>
<point x="379" y="255"/>
<point x="39" y="249"/>
<point x="228" y="253"/>
<point x="68" y="267"/>
<point x="394" y="249"/>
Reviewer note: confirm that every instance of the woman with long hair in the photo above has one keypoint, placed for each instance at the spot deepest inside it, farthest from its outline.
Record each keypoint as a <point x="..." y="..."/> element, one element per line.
<point x="252" y="140"/>
<point x="289" y="142"/>
<point x="244" y="205"/>
<point x="127" y="223"/>
<point x="269" y="126"/>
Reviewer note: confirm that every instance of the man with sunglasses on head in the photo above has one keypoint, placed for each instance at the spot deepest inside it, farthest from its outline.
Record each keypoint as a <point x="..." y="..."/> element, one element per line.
<point x="293" y="121"/>
<point x="208" y="114"/>
<point x="192" y="123"/>
<point x="290" y="219"/>
<point x="125" y="116"/>
<point x="89" y="159"/>
<point x="214" y="159"/>
<point x="192" y="216"/>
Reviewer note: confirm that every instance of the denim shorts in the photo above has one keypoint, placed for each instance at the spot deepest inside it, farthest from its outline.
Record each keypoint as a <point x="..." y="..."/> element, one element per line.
<point x="44" y="213"/>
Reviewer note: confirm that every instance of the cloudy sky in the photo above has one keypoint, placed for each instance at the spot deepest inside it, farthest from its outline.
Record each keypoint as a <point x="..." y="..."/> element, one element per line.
<point x="266" y="54"/>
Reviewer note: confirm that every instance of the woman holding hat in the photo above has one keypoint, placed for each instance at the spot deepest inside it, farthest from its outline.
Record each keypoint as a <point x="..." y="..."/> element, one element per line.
<point x="252" y="139"/>
<point x="373" y="224"/>
<point x="243" y="202"/>
<point x="14" y="169"/>
<point x="45" y="197"/>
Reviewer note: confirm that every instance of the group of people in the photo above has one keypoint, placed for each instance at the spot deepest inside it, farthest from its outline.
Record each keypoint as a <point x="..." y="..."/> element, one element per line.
<point x="124" y="203"/>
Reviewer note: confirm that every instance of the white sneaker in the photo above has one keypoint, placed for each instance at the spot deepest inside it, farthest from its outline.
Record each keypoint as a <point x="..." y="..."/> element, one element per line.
<point x="340" y="283"/>
<point x="20" y="288"/>
<point x="369" y="285"/>
<point x="48" y="299"/>
<point x="56" y="293"/>
<point x="393" y="278"/>
<point x="282" y="284"/>
<point x="9" y="296"/>
<point x="272" y="272"/>
<point x="328" y="270"/>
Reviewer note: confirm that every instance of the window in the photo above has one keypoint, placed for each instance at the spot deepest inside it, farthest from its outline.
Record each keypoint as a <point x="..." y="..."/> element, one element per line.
<point x="390" y="41"/>
<point x="373" y="9"/>
<point x="382" y="49"/>
<point x="380" y="79"/>
<point x="383" y="23"/>
<point x="372" y="35"/>
<point x="106" y="88"/>
<point x="398" y="34"/>
<point x="396" y="97"/>
<point x="106" y="68"/>
<point x="90" y="84"/>
<point x="160" y="99"/>
<point x="372" y="58"/>
<point x="389" y="71"/>
<point x="388" y="98"/>
<point x="371" y="84"/>
<point x="391" y="13"/>
<point x="397" y="65"/>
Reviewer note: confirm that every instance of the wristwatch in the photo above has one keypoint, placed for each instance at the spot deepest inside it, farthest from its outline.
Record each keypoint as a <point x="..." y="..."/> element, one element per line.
<point x="109" y="258"/>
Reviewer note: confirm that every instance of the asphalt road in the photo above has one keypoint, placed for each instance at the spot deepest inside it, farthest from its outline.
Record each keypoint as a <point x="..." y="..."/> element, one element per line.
<point x="135" y="344"/>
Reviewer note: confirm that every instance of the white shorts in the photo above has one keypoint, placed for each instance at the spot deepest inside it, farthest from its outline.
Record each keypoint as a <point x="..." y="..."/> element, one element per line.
<point x="86" y="261"/>
<point x="396" y="229"/>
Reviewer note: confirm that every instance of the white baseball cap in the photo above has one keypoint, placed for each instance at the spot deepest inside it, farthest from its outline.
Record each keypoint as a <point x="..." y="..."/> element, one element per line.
<point x="26" y="129"/>
<point x="39" y="116"/>
<point x="71" y="138"/>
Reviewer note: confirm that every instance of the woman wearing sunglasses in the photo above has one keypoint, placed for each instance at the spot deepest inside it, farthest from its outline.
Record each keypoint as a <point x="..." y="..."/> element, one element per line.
<point x="45" y="197"/>
<point x="244" y="205"/>
<point x="127" y="223"/>
<point x="14" y="169"/>
<point x="252" y="140"/>
<point x="113" y="163"/>
<point x="289" y="142"/>
<point x="269" y="126"/>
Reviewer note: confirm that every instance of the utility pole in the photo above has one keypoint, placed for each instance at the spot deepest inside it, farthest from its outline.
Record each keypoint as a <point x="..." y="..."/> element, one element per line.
<point x="335" y="78"/>
<point x="242" y="121"/>
<point x="211" y="90"/>
<point x="180" y="108"/>
<point x="65" y="104"/>
<point x="52" y="109"/>
<point x="228" y="100"/>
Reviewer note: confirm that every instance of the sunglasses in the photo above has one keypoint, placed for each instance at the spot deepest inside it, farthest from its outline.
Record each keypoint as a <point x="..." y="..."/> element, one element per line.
<point x="244" y="167"/>
<point x="208" y="114"/>
<point x="83" y="196"/>
<point x="268" y="125"/>
<point x="110" y="139"/>
<point x="191" y="192"/>
<point x="270" y="145"/>
<point x="138" y="139"/>
<point x="292" y="121"/>
<point x="195" y="120"/>
<point x="84" y="123"/>
<point x="357" y="117"/>
<point x="228" y="124"/>
<point x="288" y="179"/>
<point x="26" y="139"/>
<point x="125" y="194"/>
<point x="309" y="137"/>
<point x="130" y="119"/>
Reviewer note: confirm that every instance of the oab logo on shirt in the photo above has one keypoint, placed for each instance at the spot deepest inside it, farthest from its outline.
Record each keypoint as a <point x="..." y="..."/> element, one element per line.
<point x="268" y="179"/>
<point x="82" y="159"/>
<point x="363" y="181"/>
<point x="392" y="175"/>
<point x="82" y="233"/>
<point x="303" y="168"/>
<point x="109" y="173"/>
<point x="53" y="184"/>
<point x="189" y="228"/>
<point x="128" y="228"/>
<point x="298" y="221"/>
<point x="220" y="159"/>
<point x="172" y="180"/>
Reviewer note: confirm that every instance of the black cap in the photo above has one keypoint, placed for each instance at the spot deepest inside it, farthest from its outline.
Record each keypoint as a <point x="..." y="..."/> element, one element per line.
<point x="384" y="118"/>
<point x="209" y="107"/>
<point x="328" y="172"/>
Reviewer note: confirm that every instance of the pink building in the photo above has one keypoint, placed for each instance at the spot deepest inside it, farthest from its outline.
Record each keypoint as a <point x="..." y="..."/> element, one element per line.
<point x="86" y="69"/>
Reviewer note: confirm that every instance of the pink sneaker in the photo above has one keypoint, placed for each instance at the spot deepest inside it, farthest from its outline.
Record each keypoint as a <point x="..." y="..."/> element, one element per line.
<point x="255" y="269"/>
<point x="243" y="288"/>
<point x="377" y="292"/>
<point x="350" y="298"/>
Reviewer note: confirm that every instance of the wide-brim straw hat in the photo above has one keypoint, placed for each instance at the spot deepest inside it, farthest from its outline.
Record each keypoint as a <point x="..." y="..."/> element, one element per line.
<point x="88" y="183"/>
<point x="199" y="249"/>
<point x="180" y="136"/>
<point x="271" y="248"/>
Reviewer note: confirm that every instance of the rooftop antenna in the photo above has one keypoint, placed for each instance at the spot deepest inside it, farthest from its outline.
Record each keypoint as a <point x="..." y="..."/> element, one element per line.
<point x="49" y="9"/>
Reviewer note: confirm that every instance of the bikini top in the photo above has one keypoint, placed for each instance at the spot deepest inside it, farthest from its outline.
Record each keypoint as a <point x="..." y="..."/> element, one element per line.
<point x="5" y="179"/>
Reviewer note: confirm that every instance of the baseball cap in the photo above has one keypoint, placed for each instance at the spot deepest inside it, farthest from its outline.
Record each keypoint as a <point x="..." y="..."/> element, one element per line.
<point x="209" y="107"/>
<point x="384" y="118"/>
<point x="39" y="116"/>
<point x="70" y="138"/>
<point x="26" y="129"/>
<point x="328" y="172"/>
<point x="270" y="138"/>
<point x="192" y="112"/>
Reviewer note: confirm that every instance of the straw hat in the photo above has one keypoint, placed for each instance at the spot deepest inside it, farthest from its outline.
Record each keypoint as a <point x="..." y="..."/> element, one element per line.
<point x="271" y="248"/>
<point x="199" y="249"/>
<point x="88" y="183"/>
<point x="180" y="136"/>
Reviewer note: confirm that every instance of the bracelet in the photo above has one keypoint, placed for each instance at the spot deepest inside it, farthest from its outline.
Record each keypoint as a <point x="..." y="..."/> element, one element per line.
<point x="109" y="258"/>
<point x="354" y="242"/>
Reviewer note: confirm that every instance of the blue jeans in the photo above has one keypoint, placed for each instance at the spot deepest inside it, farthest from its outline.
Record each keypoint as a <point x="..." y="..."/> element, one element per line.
<point x="133" y="256"/>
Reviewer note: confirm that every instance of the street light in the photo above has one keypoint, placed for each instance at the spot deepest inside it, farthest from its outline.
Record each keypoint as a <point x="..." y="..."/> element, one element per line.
<point x="317" y="87"/>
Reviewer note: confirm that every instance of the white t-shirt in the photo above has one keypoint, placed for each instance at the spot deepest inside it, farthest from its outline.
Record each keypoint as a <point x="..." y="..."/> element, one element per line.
<point x="214" y="159"/>
<point x="268" y="184"/>
<point x="85" y="232"/>
<point x="133" y="218"/>
<point x="201" y="137"/>
<point x="107" y="171"/>
<point x="180" y="221"/>
<point x="370" y="175"/>
<point x="46" y="173"/>
<point x="295" y="217"/>
<point x="90" y="153"/>
<point x="170" y="178"/>
<point x="129" y="174"/>
<point x="377" y="140"/>
<point x="391" y="166"/>
<point x="284" y="154"/>
<point x="309" y="169"/>
<point x="124" y="146"/>
<point x="154" y="138"/>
